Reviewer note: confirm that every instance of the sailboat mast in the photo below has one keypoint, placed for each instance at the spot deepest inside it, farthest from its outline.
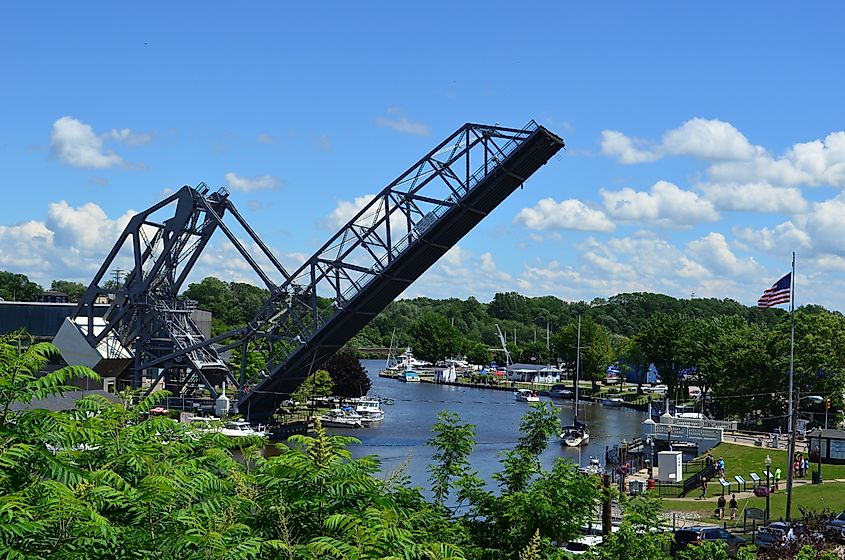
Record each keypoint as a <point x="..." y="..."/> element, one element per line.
<point x="577" y="366"/>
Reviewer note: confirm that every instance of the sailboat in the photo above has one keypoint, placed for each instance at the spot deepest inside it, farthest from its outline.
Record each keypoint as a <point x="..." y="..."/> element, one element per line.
<point x="577" y="434"/>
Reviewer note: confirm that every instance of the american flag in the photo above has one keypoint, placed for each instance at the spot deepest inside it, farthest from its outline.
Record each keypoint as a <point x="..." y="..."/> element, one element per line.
<point x="777" y="294"/>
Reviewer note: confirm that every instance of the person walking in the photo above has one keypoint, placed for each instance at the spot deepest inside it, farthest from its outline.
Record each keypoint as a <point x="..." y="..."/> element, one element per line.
<point x="733" y="506"/>
<point x="703" y="489"/>
<point x="777" y="478"/>
<point x="720" y="507"/>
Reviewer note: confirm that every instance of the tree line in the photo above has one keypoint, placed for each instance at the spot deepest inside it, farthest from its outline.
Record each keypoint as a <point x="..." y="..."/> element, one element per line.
<point x="737" y="355"/>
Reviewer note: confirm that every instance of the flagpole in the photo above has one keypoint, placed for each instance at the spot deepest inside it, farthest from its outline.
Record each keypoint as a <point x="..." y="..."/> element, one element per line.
<point x="793" y="399"/>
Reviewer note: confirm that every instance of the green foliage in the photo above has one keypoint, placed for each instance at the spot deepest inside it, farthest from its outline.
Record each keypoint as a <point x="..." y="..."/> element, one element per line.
<point x="17" y="287"/>
<point x="349" y="378"/>
<point x="434" y="338"/>
<point x="318" y="384"/>
<point x="596" y="350"/>
<point x="453" y="443"/>
<point x="74" y="290"/>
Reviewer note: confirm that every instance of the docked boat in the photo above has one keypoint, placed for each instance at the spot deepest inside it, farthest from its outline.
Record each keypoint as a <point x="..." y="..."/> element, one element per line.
<point x="576" y="435"/>
<point x="241" y="428"/>
<point x="526" y="395"/>
<point x="409" y="376"/>
<point x="369" y="409"/>
<point x="594" y="467"/>
<point x="560" y="392"/>
<point x="341" y="418"/>
<point x="613" y="400"/>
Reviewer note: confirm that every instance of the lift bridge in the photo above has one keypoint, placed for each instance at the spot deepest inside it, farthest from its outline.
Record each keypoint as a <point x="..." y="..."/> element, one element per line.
<point x="147" y="335"/>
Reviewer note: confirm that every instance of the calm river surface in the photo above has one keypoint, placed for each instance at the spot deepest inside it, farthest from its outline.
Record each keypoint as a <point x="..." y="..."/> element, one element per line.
<point x="401" y="437"/>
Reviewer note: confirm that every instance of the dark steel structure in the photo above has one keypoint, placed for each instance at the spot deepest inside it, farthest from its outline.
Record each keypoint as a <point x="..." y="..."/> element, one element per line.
<point x="315" y="310"/>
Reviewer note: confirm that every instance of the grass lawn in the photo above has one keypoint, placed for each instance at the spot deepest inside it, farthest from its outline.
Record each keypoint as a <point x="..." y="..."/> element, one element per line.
<point x="829" y="495"/>
<point x="743" y="459"/>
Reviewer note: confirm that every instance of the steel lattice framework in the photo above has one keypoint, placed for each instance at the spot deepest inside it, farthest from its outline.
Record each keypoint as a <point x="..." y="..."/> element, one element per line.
<point x="315" y="310"/>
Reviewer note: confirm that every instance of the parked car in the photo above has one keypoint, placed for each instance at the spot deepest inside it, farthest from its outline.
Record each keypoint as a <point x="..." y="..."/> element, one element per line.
<point x="777" y="533"/>
<point x="657" y="389"/>
<point x="692" y="536"/>
<point x="835" y="528"/>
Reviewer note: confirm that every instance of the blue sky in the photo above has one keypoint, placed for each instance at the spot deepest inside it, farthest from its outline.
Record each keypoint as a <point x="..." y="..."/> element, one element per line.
<point x="705" y="143"/>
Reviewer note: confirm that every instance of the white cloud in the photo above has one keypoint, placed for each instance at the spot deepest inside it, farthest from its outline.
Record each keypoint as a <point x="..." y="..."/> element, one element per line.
<point x="345" y="211"/>
<point x="783" y="237"/>
<point x="568" y="214"/>
<point x="75" y="144"/>
<point x="708" y="139"/>
<point x="714" y="254"/>
<point x="665" y="205"/>
<point x="246" y="184"/>
<point x="826" y="227"/>
<point x="819" y="162"/>
<point x="625" y="149"/>
<point x="129" y="137"/>
<point x="754" y="197"/>
<point x="400" y="123"/>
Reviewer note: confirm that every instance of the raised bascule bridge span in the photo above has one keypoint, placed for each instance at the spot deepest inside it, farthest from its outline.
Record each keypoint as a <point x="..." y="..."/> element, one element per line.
<point x="147" y="335"/>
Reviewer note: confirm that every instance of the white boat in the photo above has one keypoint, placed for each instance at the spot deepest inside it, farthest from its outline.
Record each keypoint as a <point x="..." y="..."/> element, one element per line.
<point x="232" y="428"/>
<point x="575" y="435"/>
<point x="341" y="418"/>
<point x="526" y="395"/>
<point x="560" y="392"/>
<point x="594" y="467"/>
<point x="369" y="409"/>
<point x="241" y="428"/>
<point x="613" y="400"/>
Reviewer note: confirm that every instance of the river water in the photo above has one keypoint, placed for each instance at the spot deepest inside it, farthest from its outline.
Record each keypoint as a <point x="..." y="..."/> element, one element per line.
<point x="400" y="439"/>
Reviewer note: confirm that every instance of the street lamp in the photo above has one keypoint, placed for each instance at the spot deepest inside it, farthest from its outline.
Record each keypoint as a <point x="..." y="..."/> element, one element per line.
<point x="768" y="462"/>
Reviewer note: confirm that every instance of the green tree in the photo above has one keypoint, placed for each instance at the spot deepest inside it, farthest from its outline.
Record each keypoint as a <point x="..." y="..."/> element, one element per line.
<point x="478" y="353"/>
<point x="318" y="384"/>
<point x="435" y="338"/>
<point x="74" y="290"/>
<point x="453" y="442"/>
<point x="659" y="342"/>
<point x="596" y="350"/>
<point x="17" y="287"/>
<point x="349" y="377"/>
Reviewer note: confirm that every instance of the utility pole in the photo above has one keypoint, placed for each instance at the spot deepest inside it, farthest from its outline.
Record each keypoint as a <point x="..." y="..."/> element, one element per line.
<point x="606" y="521"/>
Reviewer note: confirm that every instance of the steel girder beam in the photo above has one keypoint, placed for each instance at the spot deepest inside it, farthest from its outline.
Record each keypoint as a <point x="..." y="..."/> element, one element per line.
<point x="390" y="242"/>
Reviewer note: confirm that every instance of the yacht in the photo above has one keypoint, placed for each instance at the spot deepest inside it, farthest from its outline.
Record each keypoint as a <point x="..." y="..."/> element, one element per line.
<point x="409" y="376"/>
<point x="526" y="395"/>
<point x="342" y="418"/>
<point x="241" y="428"/>
<point x="369" y="409"/>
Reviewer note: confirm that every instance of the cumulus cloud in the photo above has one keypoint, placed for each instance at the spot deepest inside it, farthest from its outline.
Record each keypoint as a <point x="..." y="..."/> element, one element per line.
<point x="754" y="197"/>
<point x="819" y="162"/>
<point x="714" y="254"/>
<point x="774" y="240"/>
<point x="567" y="214"/>
<point x="75" y="144"/>
<point x="345" y="211"/>
<point x="400" y="123"/>
<point x="246" y="184"/>
<point x="708" y="139"/>
<point x="826" y="227"/>
<point x="625" y="149"/>
<point x="665" y="205"/>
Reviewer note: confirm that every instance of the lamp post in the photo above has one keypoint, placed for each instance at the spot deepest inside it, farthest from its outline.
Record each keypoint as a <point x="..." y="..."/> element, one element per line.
<point x="768" y="462"/>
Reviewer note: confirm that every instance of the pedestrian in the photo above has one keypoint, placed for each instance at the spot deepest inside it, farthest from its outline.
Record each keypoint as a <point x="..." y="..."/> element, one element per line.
<point x="806" y="465"/>
<point x="720" y="507"/>
<point x="733" y="506"/>
<point x="703" y="489"/>
<point x="777" y="478"/>
<point x="708" y="460"/>
<point x="721" y="466"/>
